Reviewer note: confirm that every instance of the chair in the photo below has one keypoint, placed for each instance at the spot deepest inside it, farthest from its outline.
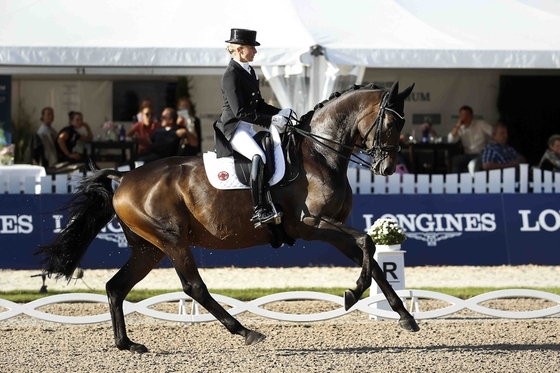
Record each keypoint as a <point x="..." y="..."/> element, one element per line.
<point x="475" y="165"/>
<point x="36" y="155"/>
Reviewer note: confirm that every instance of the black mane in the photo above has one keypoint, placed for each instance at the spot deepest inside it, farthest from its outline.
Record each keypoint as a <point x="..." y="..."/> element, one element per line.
<point x="306" y="118"/>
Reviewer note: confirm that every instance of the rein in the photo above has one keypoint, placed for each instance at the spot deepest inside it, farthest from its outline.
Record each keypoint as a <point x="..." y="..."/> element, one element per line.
<point x="361" y="149"/>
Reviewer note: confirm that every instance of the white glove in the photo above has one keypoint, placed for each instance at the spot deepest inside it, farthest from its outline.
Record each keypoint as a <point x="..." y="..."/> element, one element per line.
<point x="287" y="112"/>
<point x="279" y="122"/>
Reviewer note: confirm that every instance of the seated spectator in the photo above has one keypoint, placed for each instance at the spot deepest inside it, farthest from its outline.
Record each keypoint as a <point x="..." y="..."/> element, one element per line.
<point x="474" y="135"/>
<point x="551" y="157"/>
<point x="428" y="131"/>
<point x="146" y="102"/>
<point x="86" y="136"/>
<point x="498" y="154"/>
<point x="69" y="136"/>
<point x="48" y="136"/>
<point x="166" y="139"/>
<point x="192" y="143"/>
<point x="142" y="131"/>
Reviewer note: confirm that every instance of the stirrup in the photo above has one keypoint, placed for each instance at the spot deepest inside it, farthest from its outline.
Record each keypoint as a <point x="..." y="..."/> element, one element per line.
<point x="277" y="214"/>
<point x="263" y="217"/>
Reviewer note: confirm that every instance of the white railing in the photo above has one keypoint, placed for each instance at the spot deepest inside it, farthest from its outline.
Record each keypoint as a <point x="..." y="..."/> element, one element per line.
<point x="365" y="305"/>
<point x="526" y="180"/>
<point x="509" y="180"/>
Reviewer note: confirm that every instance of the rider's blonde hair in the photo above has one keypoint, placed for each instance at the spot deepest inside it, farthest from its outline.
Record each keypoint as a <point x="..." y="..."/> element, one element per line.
<point x="232" y="48"/>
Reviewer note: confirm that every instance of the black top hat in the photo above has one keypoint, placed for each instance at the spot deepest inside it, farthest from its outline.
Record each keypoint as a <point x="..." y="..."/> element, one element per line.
<point x="243" y="37"/>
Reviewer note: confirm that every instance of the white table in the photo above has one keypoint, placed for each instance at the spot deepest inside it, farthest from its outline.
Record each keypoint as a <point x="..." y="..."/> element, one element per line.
<point x="21" y="177"/>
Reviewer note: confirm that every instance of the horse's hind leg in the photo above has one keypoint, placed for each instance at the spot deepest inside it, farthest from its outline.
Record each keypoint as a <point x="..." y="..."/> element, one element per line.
<point x="143" y="259"/>
<point x="193" y="286"/>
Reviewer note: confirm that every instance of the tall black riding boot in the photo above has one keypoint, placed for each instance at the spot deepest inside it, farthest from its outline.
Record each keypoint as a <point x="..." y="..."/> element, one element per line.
<point x="262" y="214"/>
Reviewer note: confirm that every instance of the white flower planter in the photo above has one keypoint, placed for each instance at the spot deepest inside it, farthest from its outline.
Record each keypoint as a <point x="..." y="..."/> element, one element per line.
<point x="396" y="247"/>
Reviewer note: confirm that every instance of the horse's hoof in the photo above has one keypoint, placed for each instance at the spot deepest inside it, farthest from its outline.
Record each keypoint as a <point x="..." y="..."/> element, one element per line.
<point x="254" y="337"/>
<point x="132" y="347"/>
<point x="349" y="299"/>
<point x="138" y="348"/>
<point x="409" y="324"/>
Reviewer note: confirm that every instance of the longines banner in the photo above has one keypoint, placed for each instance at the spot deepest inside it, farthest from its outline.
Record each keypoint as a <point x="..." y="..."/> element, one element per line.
<point x="489" y="229"/>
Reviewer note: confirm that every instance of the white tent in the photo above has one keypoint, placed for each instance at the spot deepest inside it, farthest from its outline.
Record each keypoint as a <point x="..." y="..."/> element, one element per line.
<point x="331" y="39"/>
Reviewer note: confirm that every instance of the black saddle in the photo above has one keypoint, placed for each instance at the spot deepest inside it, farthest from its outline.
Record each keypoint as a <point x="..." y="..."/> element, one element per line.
<point x="264" y="140"/>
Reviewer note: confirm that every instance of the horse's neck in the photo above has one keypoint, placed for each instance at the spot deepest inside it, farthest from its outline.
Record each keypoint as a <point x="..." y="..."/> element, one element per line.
<point x="334" y="142"/>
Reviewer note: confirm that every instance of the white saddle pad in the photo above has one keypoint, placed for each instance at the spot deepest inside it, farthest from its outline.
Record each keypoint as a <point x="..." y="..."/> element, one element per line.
<point x="221" y="171"/>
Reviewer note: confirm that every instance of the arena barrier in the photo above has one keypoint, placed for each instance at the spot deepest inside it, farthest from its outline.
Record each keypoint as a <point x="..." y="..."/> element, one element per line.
<point x="447" y="229"/>
<point x="363" y="181"/>
<point x="449" y="220"/>
<point x="412" y="297"/>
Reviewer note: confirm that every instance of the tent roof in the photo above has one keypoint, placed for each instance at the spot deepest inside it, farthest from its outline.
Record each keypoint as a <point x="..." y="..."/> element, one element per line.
<point x="373" y="33"/>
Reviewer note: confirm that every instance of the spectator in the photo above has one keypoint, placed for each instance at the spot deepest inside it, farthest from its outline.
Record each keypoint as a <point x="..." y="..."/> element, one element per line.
<point x="551" y="157"/>
<point x="147" y="102"/>
<point x="82" y="146"/>
<point x="166" y="139"/>
<point x="474" y="135"/>
<point x="142" y="131"/>
<point x="48" y="136"/>
<point x="192" y="143"/>
<point x="69" y="136"/>
<point x="498" y="154"/>
<point x="428" y="131"/>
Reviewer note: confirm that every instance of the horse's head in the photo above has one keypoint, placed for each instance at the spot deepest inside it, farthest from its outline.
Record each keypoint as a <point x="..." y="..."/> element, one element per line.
<point x="381" y="138"/>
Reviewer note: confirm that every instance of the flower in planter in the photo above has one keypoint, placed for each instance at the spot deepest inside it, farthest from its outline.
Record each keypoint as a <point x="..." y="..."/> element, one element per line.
<point x="111" y="132"/>
<point x="386" y="231"/>
<point x="109" y="125"/>
<point x="7" y="154"/>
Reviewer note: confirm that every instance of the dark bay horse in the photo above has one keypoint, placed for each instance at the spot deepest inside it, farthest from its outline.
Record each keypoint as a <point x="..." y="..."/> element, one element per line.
<point x="166" y="206"/>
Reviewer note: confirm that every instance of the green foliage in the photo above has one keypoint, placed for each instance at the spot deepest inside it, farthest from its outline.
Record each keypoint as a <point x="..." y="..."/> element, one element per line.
<point x="26" y="296"/>
<point x="184" y="85"/>
<point x="21" y="133"/>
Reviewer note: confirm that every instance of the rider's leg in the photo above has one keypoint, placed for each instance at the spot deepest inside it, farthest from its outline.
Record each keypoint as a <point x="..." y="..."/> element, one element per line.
<point x="242" y="142"/>
<point x="262" y="214"/>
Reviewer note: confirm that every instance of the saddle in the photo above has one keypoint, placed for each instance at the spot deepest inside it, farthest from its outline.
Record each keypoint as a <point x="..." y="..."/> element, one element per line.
<point x="228" y="173"/>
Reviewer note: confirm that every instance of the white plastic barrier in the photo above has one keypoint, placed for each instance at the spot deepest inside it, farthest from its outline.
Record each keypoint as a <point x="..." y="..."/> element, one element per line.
<point x="254" y="306"/>
<point x="362" y="180"/>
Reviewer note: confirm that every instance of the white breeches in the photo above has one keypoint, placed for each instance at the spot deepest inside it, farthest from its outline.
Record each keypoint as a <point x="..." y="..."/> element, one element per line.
<point x="243" y="143"/>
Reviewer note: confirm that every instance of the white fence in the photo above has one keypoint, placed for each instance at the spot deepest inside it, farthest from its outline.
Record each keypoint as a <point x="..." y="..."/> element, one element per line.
<point x="509" y="180"/>
<point x="365" y="305"/>
<point x="363" y="181"/>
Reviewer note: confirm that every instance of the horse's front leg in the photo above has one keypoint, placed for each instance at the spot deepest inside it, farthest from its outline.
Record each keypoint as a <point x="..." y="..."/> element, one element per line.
<point x="351" y="242"/>
<point x="359" y="247"/>
<point x="406" y="320"/>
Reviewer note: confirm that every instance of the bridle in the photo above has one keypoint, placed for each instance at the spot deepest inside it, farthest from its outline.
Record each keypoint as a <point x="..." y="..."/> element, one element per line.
<point x="377" y="124"/>
<point x="377" y="147"/>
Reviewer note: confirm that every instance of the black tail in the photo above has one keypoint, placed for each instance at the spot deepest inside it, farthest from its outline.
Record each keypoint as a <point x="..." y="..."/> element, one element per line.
<point x="89" y="211"/>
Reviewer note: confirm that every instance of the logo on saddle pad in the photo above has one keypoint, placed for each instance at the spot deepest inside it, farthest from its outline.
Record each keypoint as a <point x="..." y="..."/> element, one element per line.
<point x="223" y="175"/>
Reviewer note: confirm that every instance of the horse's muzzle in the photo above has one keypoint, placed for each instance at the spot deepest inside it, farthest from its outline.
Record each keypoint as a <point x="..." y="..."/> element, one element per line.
<point x="383" y="167"/>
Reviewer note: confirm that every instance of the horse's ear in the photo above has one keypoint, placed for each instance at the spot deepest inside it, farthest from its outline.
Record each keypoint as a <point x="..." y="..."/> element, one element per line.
<point x="404" y="94"/>
<point x="394" y="92"/>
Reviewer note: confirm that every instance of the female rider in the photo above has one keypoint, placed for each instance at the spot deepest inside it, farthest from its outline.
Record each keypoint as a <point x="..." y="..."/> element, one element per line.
<point x="244" y="107"/>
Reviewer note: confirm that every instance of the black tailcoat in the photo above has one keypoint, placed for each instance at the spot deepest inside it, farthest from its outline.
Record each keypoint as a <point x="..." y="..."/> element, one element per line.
<point x="242" y="102"/>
